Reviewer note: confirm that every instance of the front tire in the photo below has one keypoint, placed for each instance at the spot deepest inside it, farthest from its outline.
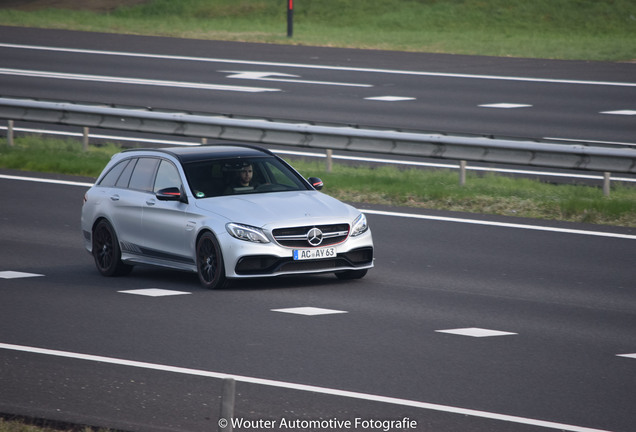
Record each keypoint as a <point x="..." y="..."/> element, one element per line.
<point x="210" y="267"/>
<point x="106" y="251"/>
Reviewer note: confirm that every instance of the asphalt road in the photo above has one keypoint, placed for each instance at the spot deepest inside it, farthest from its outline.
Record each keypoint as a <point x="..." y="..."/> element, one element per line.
<point x="528" y="98"/>
<point x="74" y="347"/>
<point x="566" y="302"/>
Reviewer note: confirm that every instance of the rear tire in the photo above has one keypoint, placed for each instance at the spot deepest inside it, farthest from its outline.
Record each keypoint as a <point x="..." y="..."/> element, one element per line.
<point x="210" y="267"/>
<point x="106" y="251"/>
<point x="351" y="274"/>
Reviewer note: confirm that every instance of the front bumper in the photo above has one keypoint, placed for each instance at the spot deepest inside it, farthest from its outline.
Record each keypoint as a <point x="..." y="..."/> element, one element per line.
<point x="268" y="265"/>
<point x="357" y="253"/>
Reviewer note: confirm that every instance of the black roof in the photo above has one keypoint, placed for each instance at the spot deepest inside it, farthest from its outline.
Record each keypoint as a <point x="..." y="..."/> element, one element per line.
<point x="199" y="153"/>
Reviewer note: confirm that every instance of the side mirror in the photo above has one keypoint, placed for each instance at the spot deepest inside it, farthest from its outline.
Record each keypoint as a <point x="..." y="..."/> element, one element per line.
<point x="315" y="182"/>
<point x="171" y="194"/>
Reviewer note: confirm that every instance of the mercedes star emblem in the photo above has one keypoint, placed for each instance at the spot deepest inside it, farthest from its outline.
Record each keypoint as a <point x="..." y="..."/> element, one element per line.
<point x="314" y="237"/>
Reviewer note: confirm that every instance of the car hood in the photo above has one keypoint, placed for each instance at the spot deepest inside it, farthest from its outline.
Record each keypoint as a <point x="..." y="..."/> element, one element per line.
<point x="270" y="210"/>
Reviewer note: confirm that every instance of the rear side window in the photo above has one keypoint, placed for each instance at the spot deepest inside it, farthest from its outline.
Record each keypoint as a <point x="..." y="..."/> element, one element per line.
<point x="124" y="178"/>
<point x="111" y="177"/>
<point x="143" y="176"/>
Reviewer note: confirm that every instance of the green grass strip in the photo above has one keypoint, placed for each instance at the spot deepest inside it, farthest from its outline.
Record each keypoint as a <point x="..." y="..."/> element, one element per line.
<point x="557" y="29"/>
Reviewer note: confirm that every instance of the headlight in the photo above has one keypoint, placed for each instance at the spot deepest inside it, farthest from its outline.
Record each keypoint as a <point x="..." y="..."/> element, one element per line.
<point x="359" y="225"/>
<point x="247" y="233"/>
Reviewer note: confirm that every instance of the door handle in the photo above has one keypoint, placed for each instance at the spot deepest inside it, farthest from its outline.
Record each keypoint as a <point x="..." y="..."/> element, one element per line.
<point x="114" y="197"/>
<point x="151" y="202"/>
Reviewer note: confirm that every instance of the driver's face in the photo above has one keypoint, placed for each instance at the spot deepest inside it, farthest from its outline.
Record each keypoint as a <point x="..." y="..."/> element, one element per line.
<point x="246" y="175"/>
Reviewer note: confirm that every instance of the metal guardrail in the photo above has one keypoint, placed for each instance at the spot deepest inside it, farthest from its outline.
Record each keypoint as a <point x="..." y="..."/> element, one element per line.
<point x="389" y="142"/>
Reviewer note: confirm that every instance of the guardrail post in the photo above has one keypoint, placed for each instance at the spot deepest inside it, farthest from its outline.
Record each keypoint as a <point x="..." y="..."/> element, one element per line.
<point x="606" y="183"/>
<point x="329" y="160"/>
<point x="204" y="141"/>
<point x="85" y="140"/>
<point x="462" y="173"/>
<point x="227" y="405"/>
<point x="10" y="133"/>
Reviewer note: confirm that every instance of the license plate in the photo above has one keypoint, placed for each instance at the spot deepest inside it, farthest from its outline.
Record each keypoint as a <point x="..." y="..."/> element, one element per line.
<point x="310" y="254"/>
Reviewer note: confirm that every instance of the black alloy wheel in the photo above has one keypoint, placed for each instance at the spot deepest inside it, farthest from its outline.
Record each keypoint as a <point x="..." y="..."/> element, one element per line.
<point x="210" y="262"/>
<point x="106" y="251"/>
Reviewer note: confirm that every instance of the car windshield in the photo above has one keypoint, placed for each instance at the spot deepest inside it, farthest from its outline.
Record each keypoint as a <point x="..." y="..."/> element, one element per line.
<point x="241" y="176"/>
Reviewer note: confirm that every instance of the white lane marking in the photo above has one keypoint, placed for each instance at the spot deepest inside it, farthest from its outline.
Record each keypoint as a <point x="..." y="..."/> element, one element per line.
<point x="397" y="214"/>
<point x="504" y="105"/>
<point x="501" y="224"/>
<point x="475" y="332"/>
<point x="43" y="180"/>
<point x="303" y="387"/>
<point x="17" y="275"/>
<point x="135" y="81"/>
<point x="627" y="355"/>
<point x="620" y="112"/>
<point x="267" y="76"/>
<point x="390" y="98"/>
<point x="318" y="67"/>
<point x="154" y="292"/>
<point x="309" y="311"/>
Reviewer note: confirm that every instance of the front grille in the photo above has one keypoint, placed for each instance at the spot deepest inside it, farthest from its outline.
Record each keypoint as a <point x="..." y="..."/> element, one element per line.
<point x="298" y="237"/>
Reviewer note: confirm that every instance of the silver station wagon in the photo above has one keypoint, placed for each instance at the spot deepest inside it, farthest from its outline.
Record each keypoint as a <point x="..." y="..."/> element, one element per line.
<point x="224" y="212"/>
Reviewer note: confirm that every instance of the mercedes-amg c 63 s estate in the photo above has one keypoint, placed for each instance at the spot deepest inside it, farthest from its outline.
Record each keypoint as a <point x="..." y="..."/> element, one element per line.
<point x="224" y="212"/>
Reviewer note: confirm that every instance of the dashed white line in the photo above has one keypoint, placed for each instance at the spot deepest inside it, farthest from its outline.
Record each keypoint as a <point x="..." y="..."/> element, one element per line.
<point x="627" y="355"/>
<point x="621" y="112"/>
<point x="309" y="311"/>
<point x="17" y="275"/>
<point x="504" y="105"/>
<point x="154" y="292"/>
<point x="390" y="98"/>
<point x="475" y="332"/>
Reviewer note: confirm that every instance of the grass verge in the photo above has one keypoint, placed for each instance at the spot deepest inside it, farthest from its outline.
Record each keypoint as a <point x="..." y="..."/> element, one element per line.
<point x="386" y="185"/>
<point x="561" y="29"/>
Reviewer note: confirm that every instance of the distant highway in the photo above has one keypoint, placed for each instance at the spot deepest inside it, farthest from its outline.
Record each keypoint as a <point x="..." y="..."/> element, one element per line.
<point x="569" y="100"/>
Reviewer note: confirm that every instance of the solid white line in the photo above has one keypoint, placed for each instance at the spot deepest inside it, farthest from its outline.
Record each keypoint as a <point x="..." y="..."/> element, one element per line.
<point x="136" y="81"/>
<point x="501" y="224"/>
<point x="43" y="180"/>
<point x="308" y="66"/>
<point x="302" y="387"/>
<point x="394" y="214"/>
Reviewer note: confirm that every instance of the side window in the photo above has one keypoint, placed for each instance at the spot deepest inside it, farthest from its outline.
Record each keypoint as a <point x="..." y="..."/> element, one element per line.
<point x="144" y="174"/>
<point x="124" y="178"/>
<point x="111" y="177"/>
<point x="167" y="176"/>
